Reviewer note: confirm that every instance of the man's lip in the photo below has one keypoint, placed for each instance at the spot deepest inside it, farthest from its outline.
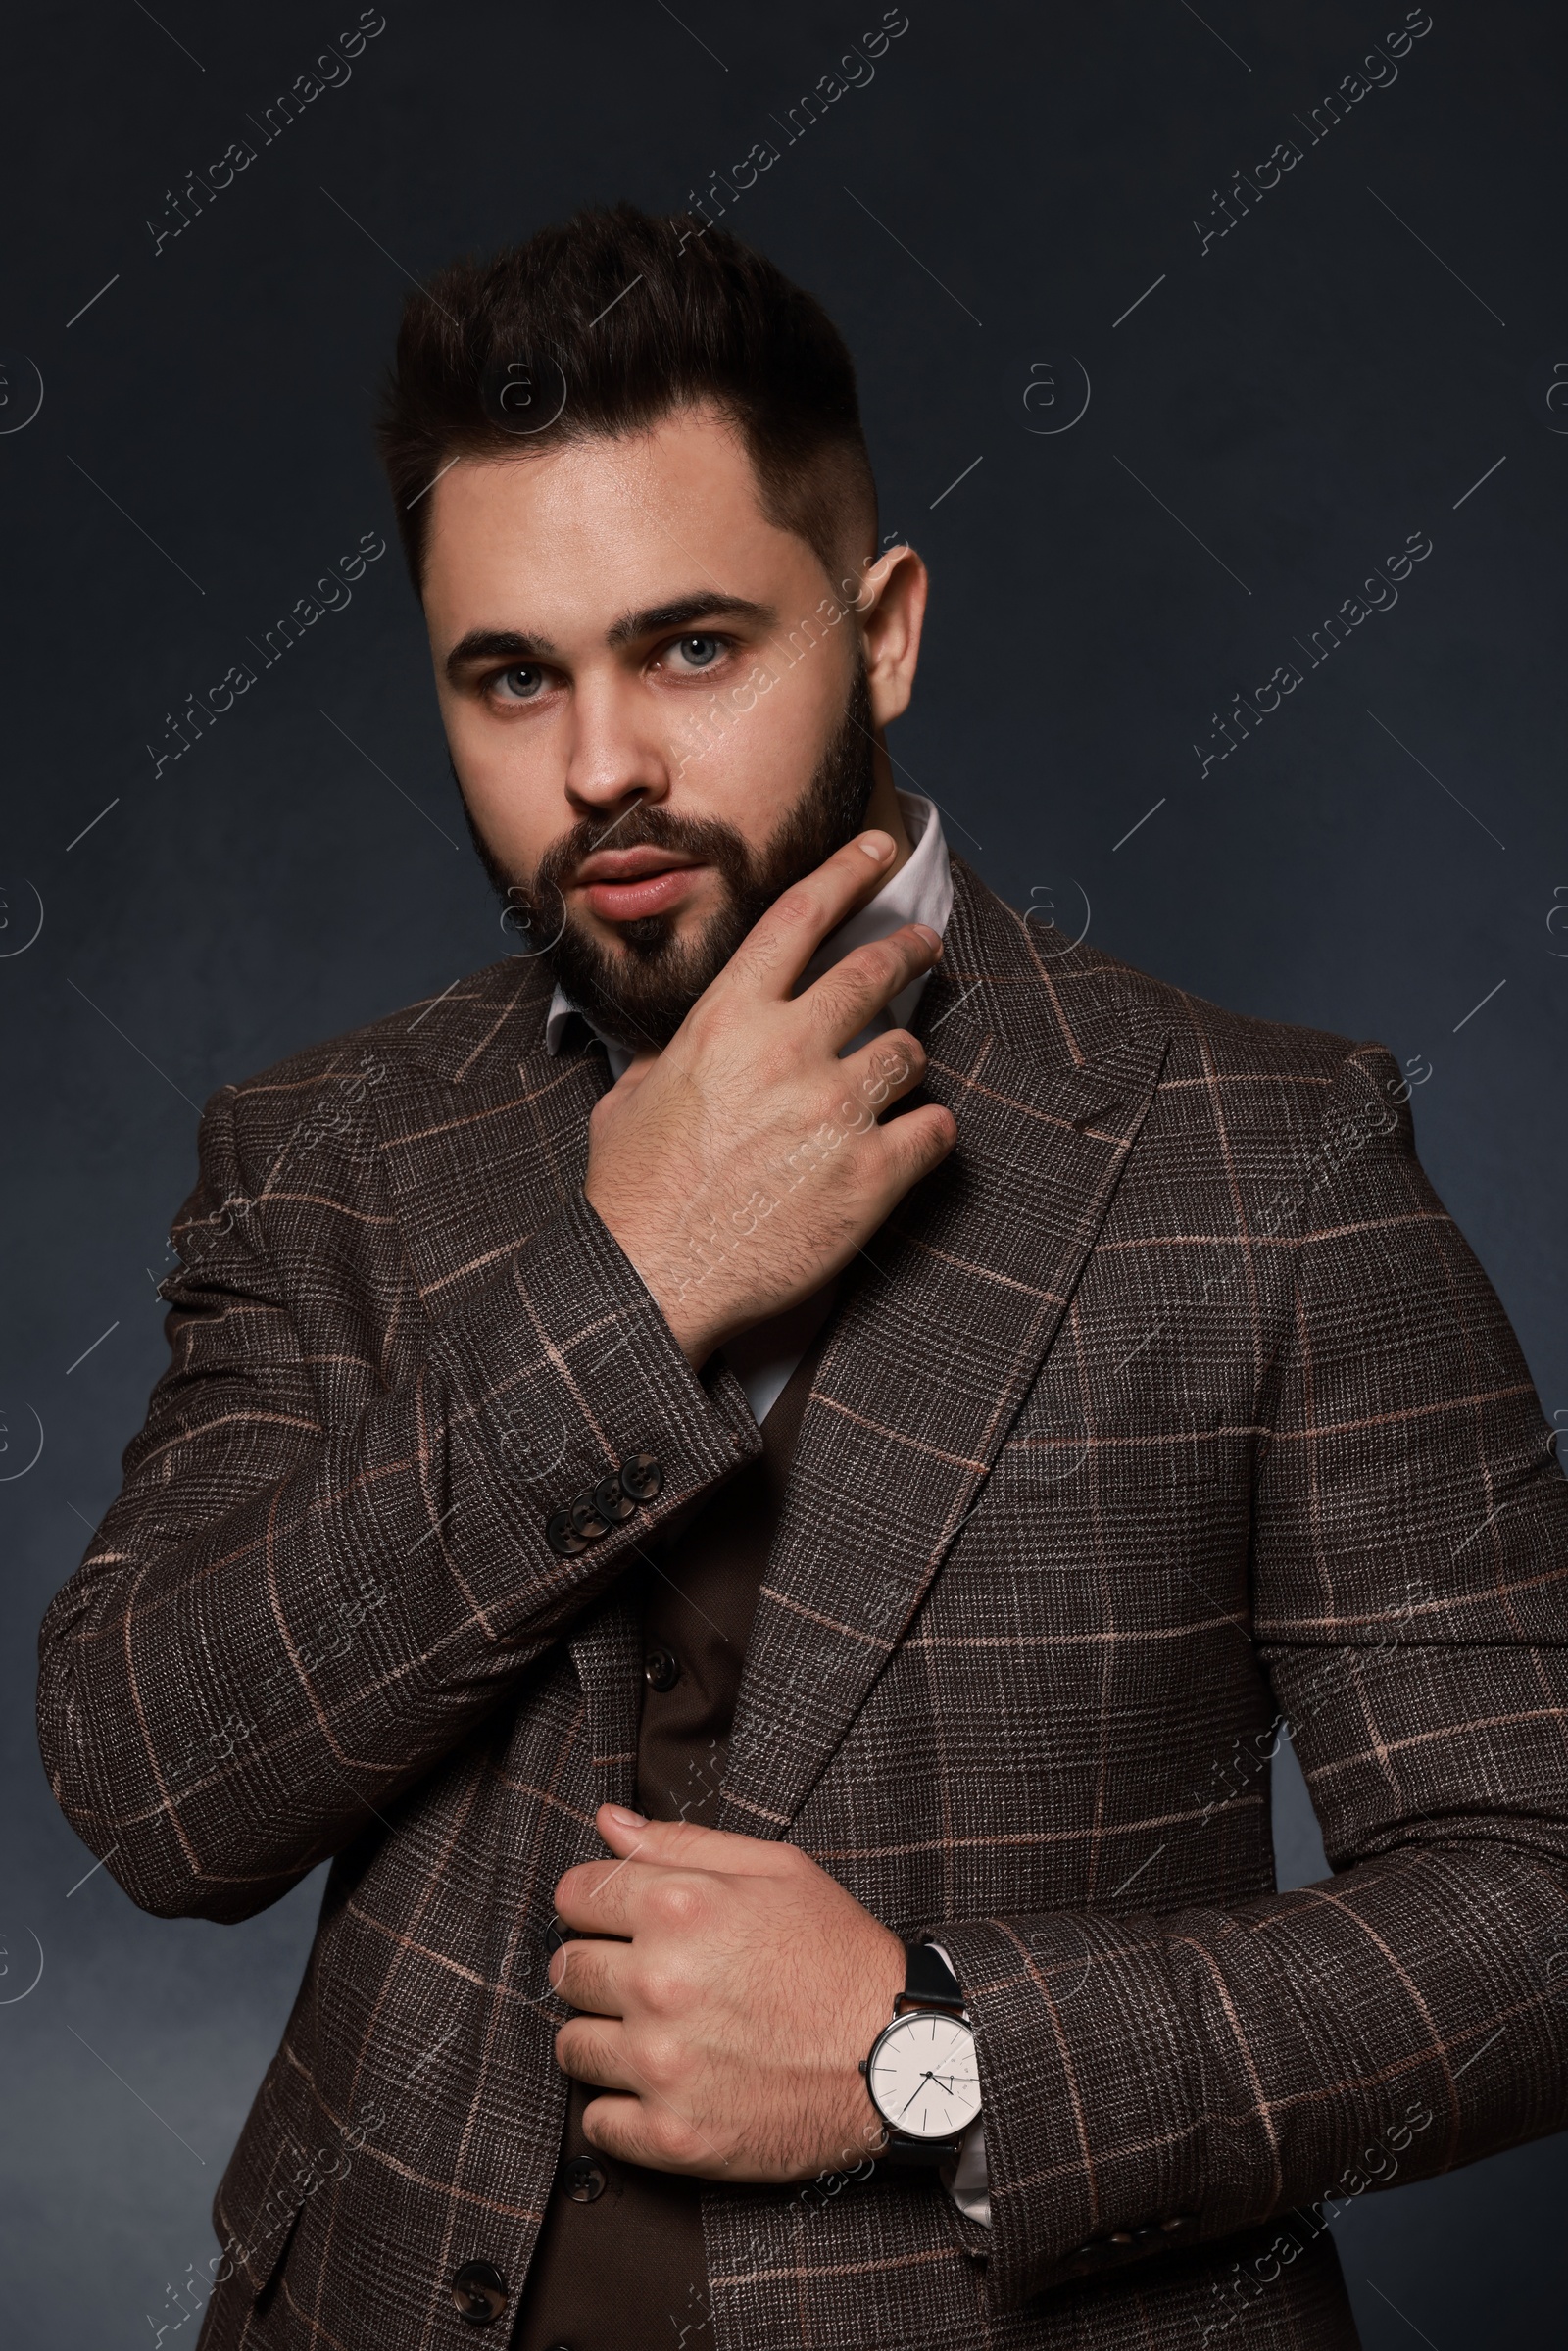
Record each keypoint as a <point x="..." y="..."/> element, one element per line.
<point x="631" y="898"/>
<point x="630" y="865"/>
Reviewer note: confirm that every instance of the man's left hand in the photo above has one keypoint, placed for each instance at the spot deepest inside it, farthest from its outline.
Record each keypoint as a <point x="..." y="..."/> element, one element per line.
<point x="728" y="2028"/>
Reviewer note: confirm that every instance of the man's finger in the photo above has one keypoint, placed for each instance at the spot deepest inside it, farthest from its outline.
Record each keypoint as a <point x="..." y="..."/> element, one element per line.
<point x="620" y="2129"/>
<point x="650" y="2133"/>
<point x="880" y="1074"/>
<point x="866" y="981"/>
<point x="602" y="1897"/>
<point x="918" y="1141"/>
<point x="684" y="1845"/>
<point x="642" y="2124"/>
<point x="591" y="1976"/>
<point x="594" y="2049"/>
<point x="774" y="952"/>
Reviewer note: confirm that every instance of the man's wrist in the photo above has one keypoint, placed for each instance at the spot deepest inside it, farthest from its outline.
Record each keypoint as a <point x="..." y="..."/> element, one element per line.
<point x="691" y="1323"/>
<point x="882" y="1982"/>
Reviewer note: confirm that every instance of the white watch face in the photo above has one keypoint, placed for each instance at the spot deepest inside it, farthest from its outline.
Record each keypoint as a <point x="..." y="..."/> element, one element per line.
<point x="922" y="2075"/>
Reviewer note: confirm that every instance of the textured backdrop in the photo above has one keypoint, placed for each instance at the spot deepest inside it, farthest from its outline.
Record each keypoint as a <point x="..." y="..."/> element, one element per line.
<point x="1219" y="365"/>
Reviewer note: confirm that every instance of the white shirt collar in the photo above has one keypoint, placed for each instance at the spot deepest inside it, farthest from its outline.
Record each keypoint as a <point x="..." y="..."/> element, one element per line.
<point x="921" y="891"/>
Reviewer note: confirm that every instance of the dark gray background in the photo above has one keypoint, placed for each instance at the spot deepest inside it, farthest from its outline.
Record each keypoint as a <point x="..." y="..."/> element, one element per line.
<point x="1322" y="382"/>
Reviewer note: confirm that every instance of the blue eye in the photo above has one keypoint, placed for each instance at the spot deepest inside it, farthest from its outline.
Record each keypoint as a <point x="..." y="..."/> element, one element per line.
<point x="698" y="653"/>
<point x="520" y="683"/>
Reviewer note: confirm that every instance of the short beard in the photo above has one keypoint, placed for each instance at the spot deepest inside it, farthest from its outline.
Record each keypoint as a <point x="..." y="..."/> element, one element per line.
<point x="640" y="996"/>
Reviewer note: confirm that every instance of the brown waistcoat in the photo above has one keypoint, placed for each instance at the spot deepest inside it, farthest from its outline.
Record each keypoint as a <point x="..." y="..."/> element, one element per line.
<point x="620" y="2263"/>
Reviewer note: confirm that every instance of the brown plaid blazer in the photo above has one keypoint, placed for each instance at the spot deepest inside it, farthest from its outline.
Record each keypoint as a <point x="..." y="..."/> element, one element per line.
<point x="1172" y="1404"/>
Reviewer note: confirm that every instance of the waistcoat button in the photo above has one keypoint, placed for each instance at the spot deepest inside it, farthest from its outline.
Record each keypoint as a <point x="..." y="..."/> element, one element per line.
<point x="584" y="2180"/>
<point x="661" y="1669"/>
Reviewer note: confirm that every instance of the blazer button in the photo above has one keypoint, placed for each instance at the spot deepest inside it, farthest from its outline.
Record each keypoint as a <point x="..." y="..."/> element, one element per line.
<point x="642" y="1477"/>
<point x="585" y="1519"/>
<point x="562" y="1537"/>
<point x="613" y="1504"/>
<point x="584" y="2178"/>
<point x="661" y="1669"/>
<point x="479" y="2292"/>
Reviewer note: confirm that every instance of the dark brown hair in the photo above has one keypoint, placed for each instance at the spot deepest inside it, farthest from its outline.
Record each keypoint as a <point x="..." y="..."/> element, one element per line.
<point x="602" y="325"/>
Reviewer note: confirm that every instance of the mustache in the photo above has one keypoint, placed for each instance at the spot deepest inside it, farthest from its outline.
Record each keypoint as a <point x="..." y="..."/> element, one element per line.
<point x="707" y="840"/>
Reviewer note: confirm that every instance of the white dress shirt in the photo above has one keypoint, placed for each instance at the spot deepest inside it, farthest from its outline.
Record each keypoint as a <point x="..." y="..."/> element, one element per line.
<point x="764" y="1358"/>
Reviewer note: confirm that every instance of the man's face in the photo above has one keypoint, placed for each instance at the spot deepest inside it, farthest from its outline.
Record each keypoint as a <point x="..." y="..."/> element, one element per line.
<point x="654" y="727"/>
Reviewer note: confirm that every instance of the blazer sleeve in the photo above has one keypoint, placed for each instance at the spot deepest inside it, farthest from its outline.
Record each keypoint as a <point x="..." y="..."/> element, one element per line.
<point x="1221" y="2068"/>
<point x="279" y="1626"/>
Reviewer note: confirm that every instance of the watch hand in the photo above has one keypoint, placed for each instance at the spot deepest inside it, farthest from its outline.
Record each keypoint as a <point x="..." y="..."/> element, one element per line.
<point x="915" y="2093"/>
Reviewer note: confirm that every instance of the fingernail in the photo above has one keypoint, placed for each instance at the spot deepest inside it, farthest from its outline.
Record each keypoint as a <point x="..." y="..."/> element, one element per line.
<point x="878" y="847"/>
<point x="627" y="1817"/>
<point x="932" y="938"/>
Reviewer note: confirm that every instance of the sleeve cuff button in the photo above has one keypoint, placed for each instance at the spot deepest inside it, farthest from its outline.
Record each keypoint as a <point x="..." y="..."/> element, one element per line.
<point x="562" y="1537"/>
<point x="642" y="1477"/>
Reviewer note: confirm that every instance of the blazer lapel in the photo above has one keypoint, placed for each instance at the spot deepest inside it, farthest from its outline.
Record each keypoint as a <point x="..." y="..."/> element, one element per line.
<point x="478" y="1161"/>
<point x="1048" y="1071"/>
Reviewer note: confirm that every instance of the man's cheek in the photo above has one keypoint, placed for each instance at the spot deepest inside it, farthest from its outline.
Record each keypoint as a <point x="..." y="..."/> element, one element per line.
<point x="744" y="697"/>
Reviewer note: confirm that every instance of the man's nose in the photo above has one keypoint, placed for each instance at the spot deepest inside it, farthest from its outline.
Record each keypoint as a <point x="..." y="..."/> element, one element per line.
<point x="616" y="757"/>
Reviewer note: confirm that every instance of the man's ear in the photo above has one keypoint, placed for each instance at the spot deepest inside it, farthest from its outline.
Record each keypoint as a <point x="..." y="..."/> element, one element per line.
<point x="890" y="612"/>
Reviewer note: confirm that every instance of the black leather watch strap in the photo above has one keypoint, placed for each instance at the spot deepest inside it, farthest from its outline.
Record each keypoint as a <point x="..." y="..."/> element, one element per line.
<point x="922" y="2154"/>
<point x="928" y="1981"/>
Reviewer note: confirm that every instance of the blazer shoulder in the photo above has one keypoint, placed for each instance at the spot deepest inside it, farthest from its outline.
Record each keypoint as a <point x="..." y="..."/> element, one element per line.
<point x="444" y="1039"/>
<point x="1095" y="999"/>
<point x="1206" y="1037"/>
<point x="1282" y="1085"/>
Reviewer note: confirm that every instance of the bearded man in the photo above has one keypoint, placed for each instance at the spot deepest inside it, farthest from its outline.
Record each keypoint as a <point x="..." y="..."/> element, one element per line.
<point x="761" y="1475"/>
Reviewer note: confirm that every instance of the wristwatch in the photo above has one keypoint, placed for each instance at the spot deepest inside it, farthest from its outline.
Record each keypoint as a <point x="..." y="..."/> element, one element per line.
<point x="921" y="2071"/>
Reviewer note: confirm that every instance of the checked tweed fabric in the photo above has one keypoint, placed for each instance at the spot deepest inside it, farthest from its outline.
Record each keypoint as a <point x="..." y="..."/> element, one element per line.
<point x="1172" y="1403"/>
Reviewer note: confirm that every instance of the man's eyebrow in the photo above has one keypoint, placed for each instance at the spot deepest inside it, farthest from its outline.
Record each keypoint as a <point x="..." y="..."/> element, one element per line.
<point x="682" y="611"/>
<point x="494" y="644"/>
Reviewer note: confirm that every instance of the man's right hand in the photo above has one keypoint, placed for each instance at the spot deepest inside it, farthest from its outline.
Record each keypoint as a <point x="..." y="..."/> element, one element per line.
<point x="744" y="1165"/>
